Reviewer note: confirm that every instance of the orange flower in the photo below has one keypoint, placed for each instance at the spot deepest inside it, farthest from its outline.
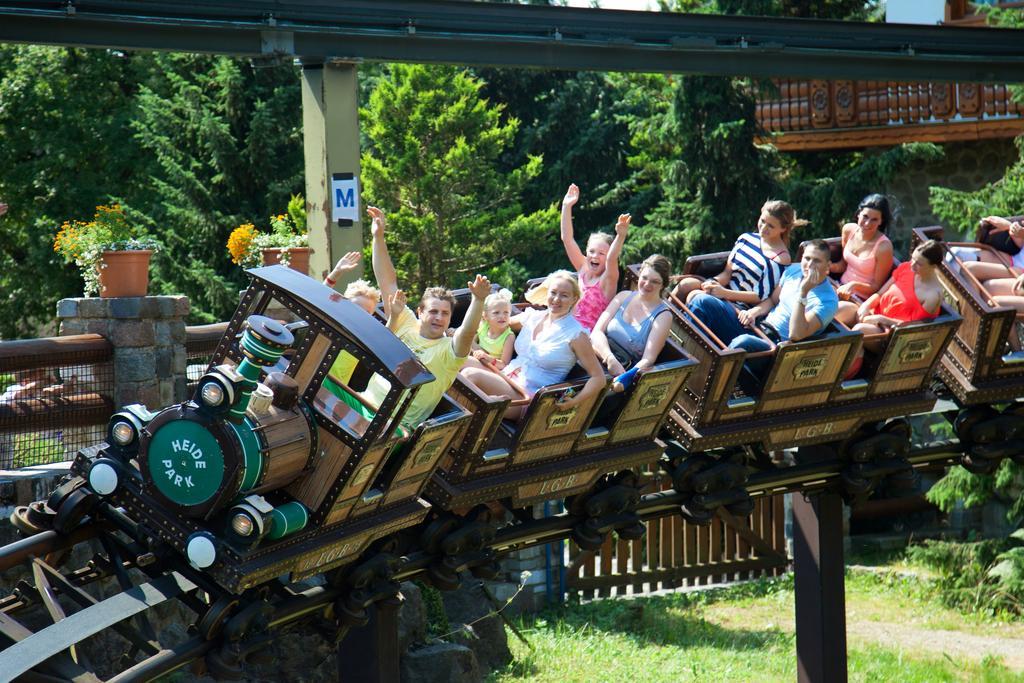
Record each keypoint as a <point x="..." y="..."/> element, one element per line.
<point x="240" y="241"/>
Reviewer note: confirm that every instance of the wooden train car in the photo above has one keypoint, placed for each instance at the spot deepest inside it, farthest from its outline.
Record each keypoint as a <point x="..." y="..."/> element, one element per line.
<point x="979" y="366"/>
<point x="805" y="398"/>
<point x="552" y="453"/>
<point x="271" y="469"/>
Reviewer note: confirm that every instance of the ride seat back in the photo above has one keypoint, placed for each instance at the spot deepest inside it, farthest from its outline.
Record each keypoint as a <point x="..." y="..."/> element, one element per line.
<point x="648" y="401"/>
<point x="486" y="413"/>
<point x="548" y="432"/>
<point x="911" y="353"/>
<point x="805" y="373"/>
<point x="422" y="453"/>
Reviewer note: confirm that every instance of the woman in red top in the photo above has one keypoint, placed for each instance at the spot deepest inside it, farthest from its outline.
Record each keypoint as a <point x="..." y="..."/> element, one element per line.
<point x="912" y="293"/>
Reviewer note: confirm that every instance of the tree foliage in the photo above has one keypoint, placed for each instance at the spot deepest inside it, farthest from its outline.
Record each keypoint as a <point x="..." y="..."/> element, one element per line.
<point x="1005" y="197"/>
<point x="63" y="118"/>
<point x="225" y="136"/>
<point x="432" y="163"/>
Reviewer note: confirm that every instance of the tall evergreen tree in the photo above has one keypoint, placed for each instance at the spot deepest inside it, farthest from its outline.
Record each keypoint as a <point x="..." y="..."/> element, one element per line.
<point x="432" y="163"/>
<point x="226" y="137"/>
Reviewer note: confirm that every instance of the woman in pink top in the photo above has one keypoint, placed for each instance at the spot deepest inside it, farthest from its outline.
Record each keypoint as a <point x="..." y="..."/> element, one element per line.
<point x="598" y="271"/>
<point x="867" y="255"/>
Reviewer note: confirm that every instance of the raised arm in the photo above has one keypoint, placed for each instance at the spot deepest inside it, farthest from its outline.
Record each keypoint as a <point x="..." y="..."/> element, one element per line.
<point x="610" y="277"/>
<point x="572" y="250"/>
<point x="345" y="264"/>
<point x="804" y="323"/>
<point x="395" y="307"/>
<point x="383" y="269"/>
<point x="463" y="339"/>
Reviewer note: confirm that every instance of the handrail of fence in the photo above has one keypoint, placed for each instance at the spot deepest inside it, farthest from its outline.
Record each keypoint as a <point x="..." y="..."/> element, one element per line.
<point x="57" y="397"/>
<point x="200" y="343"/>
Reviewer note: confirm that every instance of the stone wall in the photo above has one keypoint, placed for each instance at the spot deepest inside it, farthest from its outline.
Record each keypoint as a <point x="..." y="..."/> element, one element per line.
<point x="966" y="166"/>
<point x="148" y="336"/>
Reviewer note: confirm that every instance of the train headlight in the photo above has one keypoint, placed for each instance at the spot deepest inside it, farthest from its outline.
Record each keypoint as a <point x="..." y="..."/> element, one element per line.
<point x="124" y="429"/>
<point x="248" y="521"/>
<point x="122" y="432"/>
<point x="212" y="394"/>
<point x="103" y="477"/>
<point x="201" y="549"/>
<point x="242" y="524"/>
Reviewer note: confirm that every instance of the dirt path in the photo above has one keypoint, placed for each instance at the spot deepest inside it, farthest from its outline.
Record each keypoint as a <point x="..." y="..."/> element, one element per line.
<point x="910" y="638"/>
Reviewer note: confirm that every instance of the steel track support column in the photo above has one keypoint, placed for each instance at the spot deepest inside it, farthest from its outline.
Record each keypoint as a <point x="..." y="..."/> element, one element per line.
<point x="820" y="593"/>
<point x="370" y="654"/>
<point x="330" y="131"/>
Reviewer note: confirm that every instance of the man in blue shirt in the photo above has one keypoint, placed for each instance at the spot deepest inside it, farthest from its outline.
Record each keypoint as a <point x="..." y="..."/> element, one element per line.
<point x="801" y="306"/>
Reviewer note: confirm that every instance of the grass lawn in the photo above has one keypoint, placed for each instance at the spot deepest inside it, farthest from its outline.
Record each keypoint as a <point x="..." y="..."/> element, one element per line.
<point x="896" y="631"/>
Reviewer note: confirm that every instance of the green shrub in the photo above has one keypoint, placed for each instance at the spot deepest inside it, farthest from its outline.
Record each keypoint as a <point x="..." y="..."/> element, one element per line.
<point x="981" y="576"/>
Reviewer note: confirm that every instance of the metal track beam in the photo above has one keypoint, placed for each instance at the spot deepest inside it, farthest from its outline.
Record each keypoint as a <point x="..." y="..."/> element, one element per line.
<point x="491" y="34"/>
<point x="40" y="647"/>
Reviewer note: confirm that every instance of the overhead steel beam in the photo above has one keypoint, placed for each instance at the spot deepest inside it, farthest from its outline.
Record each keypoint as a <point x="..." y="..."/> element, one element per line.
<point x="487" y="34"/>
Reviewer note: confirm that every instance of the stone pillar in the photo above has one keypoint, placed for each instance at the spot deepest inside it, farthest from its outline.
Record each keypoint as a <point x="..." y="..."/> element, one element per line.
<point x="148" y="336"/>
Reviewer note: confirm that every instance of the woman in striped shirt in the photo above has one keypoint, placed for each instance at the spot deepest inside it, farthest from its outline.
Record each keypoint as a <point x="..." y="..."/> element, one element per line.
<point x="755" y="263"/>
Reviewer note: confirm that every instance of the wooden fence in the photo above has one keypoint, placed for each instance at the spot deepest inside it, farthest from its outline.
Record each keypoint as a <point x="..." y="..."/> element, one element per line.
<point x="675" y="553"/>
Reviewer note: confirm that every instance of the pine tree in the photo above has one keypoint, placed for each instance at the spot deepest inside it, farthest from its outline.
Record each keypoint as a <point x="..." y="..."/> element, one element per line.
<point x="432" y="163"/>
<point x="226" y="137"/>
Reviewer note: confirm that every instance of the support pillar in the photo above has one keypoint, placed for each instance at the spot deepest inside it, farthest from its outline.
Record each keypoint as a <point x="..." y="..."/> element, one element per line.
<point x="820" y="592"/>
<point x="330" y="125"/>
<point x="369" y="654"/>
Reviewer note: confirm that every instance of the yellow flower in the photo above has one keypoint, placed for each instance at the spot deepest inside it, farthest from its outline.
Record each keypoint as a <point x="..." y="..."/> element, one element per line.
<point x="240" y="241"/>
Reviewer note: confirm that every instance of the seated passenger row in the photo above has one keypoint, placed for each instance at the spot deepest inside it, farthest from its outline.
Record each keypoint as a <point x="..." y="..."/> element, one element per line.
<point x="758" y="301"/>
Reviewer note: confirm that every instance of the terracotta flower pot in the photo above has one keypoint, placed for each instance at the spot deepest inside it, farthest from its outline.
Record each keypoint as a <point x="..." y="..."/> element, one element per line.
<point x="124" y="273"/>
<point x="298" y="259"/>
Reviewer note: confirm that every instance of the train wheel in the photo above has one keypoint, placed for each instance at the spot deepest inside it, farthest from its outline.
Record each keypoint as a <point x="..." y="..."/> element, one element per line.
<point x="33" y="518"/>
<point x="696" y="515"/>
<point x="73" y="509"/>
<point x="683" y="474"/>
<point x="632" y="532"/>
<point x="854" y="484"/>
<point x="742" y="507"/>
<point x="210" y="625"/>
<point x="587" y="537"/>
<point x="976" y="465"/>
<point x="968" y="419"/>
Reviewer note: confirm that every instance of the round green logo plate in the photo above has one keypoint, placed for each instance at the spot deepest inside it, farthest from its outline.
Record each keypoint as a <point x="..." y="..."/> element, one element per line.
<point x="185" y="462"/>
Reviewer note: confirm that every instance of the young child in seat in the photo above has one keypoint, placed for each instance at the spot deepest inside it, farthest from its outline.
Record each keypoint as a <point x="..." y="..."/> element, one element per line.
<point x="494" y="338"/>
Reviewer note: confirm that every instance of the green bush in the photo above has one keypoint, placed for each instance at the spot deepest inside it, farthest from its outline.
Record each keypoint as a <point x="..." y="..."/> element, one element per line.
<point x="981" y="576"/>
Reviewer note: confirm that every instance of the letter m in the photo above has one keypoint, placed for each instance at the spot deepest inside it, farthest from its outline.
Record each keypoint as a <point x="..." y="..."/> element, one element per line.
<point x="345" y="197"/>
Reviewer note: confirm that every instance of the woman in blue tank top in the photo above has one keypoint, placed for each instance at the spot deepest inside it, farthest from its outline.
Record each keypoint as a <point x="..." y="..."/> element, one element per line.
<point x="632" y="331"/>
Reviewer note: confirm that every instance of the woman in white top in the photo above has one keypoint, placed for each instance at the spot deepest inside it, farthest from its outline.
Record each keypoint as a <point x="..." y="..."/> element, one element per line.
<point x="548" y="344"/>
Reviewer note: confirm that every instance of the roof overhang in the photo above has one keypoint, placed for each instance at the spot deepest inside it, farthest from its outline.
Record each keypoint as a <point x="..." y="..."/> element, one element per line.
<point x="537" y="36"/>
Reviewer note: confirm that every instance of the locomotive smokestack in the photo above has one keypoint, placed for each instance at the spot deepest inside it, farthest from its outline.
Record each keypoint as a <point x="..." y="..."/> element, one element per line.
<point x="263" y="342"/>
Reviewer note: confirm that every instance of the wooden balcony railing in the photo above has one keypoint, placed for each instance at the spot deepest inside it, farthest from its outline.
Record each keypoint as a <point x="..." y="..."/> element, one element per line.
<point x="834" y="114"/>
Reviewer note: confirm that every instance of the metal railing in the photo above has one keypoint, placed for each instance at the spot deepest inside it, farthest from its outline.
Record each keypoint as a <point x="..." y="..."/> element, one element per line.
<point x="200" y="343"/>
<point x="57" y="397"/>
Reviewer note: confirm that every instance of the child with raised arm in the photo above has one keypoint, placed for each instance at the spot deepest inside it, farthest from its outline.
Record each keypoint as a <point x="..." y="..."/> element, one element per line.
<point x="598" y="270"/>
<point x="495" y="339"/>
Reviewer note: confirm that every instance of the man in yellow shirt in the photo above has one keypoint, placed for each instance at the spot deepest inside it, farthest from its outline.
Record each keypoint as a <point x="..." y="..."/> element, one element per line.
<point x="443" y="356"/>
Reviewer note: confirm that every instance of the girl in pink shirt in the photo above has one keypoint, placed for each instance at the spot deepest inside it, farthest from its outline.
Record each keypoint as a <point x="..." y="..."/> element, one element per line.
<point x="598" y="270"/>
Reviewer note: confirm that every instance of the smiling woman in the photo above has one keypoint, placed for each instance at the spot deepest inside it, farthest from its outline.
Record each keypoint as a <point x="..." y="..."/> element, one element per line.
<point x="549" y="344"/>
